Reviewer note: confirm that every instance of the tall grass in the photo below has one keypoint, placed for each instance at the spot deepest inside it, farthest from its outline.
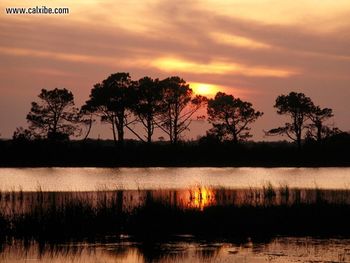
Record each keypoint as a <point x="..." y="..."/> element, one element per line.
<point x="201" y="211"/>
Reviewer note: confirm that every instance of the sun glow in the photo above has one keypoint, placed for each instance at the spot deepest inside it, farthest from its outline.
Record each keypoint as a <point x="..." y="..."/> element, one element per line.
<point x="180" y="65"/>
<point x="204" y="89"/>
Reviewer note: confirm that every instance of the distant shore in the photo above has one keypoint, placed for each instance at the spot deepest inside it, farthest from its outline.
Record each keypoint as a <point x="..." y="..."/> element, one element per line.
<point x="104" y="153"/>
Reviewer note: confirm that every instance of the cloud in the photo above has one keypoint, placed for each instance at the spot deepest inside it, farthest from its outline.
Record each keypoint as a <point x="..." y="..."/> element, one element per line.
<point x="174" y="65"/>
<point x="221" y="43"/>
<point x="237" y="41"/>
<point x="67" y="57"/>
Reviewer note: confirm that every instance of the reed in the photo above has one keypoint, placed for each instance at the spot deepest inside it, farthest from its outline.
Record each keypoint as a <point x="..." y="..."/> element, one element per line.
<point x="214" y="212"/>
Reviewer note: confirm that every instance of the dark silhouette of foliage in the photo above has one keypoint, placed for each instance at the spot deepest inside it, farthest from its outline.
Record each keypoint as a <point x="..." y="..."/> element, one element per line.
<point x="55" y="116"/>
<point x="298" y="107"/>
<point x="147" y="104"/>
<point x="23" y="135"/>
<point x="317" y="129"/>
<point x="111" y="101"/>
<point x="205" y="152"/>
<point x="169" y="105"/>
<point x="178" y="107"/>
<point x="230" y="117"/>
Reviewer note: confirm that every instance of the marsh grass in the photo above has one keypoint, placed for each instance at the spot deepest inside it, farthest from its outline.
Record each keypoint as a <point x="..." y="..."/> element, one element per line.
<point x="148" y="213"/>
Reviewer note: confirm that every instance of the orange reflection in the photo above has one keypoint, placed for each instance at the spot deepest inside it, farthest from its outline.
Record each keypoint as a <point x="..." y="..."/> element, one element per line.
<point x="201" y="197"/>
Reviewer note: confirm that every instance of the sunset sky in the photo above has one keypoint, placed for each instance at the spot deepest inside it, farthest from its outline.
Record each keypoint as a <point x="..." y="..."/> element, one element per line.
<point x="253" y="49"/>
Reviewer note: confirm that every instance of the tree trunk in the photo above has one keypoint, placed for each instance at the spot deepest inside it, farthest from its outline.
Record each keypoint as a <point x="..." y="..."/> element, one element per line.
<point x="176" y="135"/>
<point x="120" y="128"/>
<point x="319" y="131"/>
<point x="114" y="135"/>
<point x="89" y="130"/>
<point x="176" y="127"/>
<point x="299" y="140"/>
<point x="235" y="138"/>
<point x="121" y="135"/>
<point x="149" y="130"/>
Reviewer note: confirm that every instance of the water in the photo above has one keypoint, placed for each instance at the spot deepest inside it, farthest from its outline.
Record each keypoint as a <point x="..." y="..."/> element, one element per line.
<point x="91" y="179"/>
<point x="279" y="250"/>
<point x="47" y="191"/>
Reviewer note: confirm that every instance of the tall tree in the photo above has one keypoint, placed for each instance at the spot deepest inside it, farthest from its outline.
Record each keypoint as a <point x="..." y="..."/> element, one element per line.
<point x="230" y="117"/>
<point x="298" y="107"/>
<point x="86" y="121"/>
<point x="317" y="129"/>
<point x="147" y="104"/>
<point x="178" y="107"/>
<point x="111" y="100"/>
<point x="54" y="116"/>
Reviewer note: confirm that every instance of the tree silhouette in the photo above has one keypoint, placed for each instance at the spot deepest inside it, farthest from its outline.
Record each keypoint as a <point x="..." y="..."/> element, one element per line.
<point x="54" y="117"/>
<point x="147" y="104"/>
<point x="298" y="107"/>
<point x="86" y="120"/>
<point x="317" y="129"/>
<point x="24" y="135"/>
<point x="110" y="100"/>
<point x="230" y="117"/>
<point x="178" y="107"/>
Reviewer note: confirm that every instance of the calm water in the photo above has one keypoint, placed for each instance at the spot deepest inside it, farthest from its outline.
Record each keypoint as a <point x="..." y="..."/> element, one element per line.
<point x="187" y="250"/>
<point x="194" y="188"/>
<point x="91" y="179"/>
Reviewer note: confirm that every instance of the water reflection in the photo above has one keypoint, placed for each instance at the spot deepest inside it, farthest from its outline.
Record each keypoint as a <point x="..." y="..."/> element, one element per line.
<point x="198" y="210"/>
<point x="181" y="250"/>
<point x="198" y="197"/>
<point x="90" y="179"/>
<point x="201" y="197"/>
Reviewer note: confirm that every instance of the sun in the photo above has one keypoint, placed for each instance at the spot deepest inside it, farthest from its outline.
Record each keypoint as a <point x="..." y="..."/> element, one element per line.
<point x="203" y="89"/>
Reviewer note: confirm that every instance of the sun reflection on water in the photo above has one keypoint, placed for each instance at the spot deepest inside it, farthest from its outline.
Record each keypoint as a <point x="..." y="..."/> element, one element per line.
<point x="201" y="197"/>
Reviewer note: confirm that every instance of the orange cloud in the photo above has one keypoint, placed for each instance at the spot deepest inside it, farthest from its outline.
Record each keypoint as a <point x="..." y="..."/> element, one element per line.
<point x="70" y="57"/>
<point x="180" y="65"/>
<point x="238" y="41"/>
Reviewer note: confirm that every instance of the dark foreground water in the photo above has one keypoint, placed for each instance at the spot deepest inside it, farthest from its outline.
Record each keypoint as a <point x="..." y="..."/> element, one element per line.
<point x="183" y="249"/>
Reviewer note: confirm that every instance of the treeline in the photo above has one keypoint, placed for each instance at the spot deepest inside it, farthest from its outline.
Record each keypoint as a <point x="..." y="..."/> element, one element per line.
<point x="168" y="105"/>
<point x="202" y="153"/>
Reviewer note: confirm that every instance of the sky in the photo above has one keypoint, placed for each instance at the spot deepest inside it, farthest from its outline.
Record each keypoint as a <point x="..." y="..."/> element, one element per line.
<point x="252" y="49"/>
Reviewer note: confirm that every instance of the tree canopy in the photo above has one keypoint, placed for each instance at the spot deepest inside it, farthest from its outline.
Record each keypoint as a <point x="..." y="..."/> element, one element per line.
<point x="317" y="129"/>
<point x="301" y="109"/>
<point x="54" y="116"/>
<point x="179" y="104"/>
<point x="231" y="117"/>
<point x="110" y="100"/>
<point x="169" y="105"/>
<point x="147" y="103"/>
